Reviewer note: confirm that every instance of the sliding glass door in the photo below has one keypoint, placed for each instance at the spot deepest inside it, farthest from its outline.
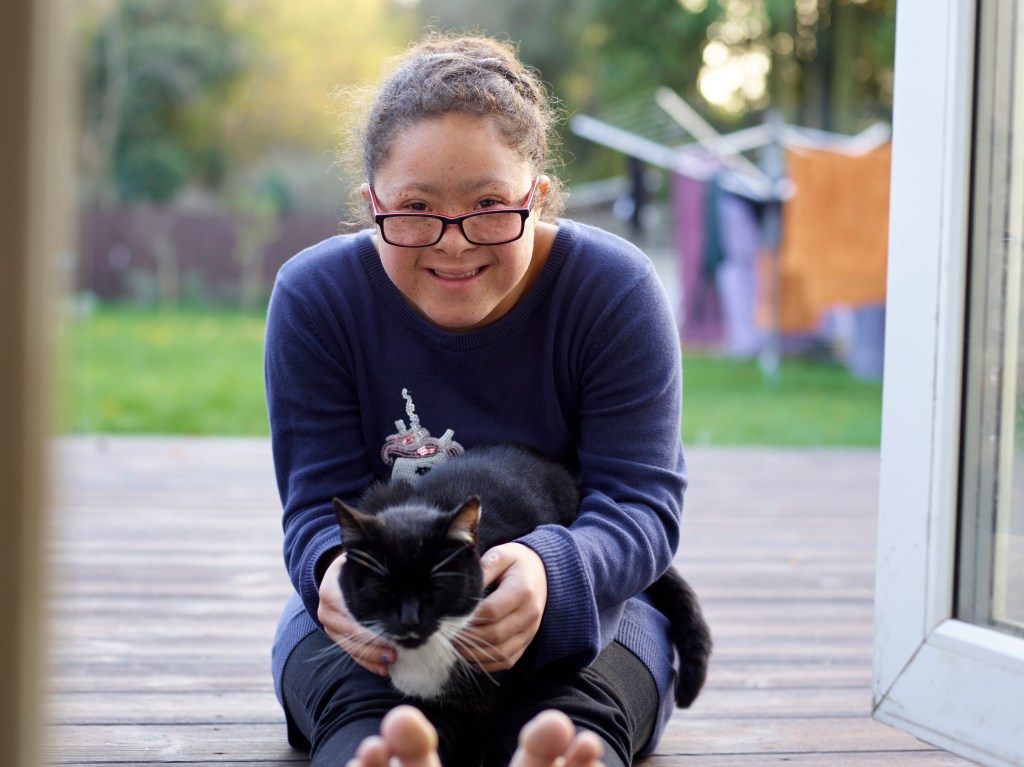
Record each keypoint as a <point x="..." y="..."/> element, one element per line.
<point x="949" y="657"/>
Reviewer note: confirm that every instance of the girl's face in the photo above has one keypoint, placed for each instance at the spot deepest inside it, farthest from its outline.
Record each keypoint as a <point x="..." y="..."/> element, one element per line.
<point x="451" y="165"/>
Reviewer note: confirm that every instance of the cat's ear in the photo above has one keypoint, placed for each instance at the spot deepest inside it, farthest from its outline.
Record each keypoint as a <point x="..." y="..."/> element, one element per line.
<point x="464" y="523"/>
<point x="353" y="523"/>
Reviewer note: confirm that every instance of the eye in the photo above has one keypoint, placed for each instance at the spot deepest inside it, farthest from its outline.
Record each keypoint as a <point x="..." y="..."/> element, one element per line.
<point x="416" y="207"/>
<point x="490" y="202"/>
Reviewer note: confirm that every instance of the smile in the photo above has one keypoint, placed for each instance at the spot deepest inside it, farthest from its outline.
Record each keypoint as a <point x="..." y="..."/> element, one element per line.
<point x="453" y="276"/>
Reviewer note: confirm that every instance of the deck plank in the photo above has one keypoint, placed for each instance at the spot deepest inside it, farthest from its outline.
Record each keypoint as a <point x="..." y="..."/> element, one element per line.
<point x="167" y="581"/>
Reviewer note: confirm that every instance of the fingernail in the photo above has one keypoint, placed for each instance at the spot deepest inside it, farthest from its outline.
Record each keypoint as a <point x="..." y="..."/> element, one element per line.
<point x="385" y="659"/>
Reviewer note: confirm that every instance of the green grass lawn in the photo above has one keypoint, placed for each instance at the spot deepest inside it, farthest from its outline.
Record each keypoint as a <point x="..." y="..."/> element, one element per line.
<point x="726" y="402"/>
<point x="135" y="371"/>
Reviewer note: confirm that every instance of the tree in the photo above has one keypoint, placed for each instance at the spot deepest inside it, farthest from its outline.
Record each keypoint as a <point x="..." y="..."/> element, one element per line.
<point x="156" y="73"/>
<point x="154" y="76"/>
<point x="832" y="60"/>
<point x="281" y="118"/>
<point x="299" y="54"/>
<point x="822" y="63"/>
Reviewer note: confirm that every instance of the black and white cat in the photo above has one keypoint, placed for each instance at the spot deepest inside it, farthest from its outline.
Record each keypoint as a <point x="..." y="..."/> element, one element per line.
<point x="413" y="576"/>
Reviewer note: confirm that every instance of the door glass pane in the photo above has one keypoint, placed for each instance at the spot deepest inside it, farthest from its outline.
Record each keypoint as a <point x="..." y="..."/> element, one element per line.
<point x="1009" y="564"/>
<point x="990" y="585"/>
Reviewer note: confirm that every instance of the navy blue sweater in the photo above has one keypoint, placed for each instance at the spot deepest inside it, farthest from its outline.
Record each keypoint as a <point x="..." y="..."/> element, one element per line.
<point x="586" y="369"/>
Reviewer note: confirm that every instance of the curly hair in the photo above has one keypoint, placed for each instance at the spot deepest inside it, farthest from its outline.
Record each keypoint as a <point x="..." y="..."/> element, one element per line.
<point x="473" y="75"/>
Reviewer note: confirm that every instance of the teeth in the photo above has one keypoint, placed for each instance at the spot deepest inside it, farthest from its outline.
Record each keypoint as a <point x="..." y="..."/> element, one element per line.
<point x="447" y="276"/>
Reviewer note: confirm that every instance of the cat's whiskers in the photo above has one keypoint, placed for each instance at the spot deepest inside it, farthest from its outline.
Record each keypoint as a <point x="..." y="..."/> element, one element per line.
<point x="326" y="653"/>
<point x="446" y="560"/>
<point x="334" y="653"/>
<point x="469" y="640"/>
<point x="450" y="632"/>
<point x="463" y="637"/>
<point x="343" y="657"/>
<point x="368" y="561"/>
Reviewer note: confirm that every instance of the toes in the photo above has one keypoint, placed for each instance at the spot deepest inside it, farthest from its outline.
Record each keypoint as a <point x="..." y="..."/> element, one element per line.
<point x="544" y="740"/>
<point x="585" y="750"/>
<point x="371" y="753"/>
<point x="410" y="738"/>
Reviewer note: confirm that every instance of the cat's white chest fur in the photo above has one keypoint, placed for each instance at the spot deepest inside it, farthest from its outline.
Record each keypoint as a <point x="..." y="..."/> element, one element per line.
<point x="423" y="672"/>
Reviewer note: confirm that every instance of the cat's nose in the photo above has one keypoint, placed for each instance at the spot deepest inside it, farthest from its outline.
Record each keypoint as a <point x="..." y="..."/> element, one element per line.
<point x="410" y="615"/>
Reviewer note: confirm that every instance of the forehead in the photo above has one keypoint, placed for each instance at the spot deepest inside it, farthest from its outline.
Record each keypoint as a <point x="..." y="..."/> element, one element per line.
<point x="451" y="154"/>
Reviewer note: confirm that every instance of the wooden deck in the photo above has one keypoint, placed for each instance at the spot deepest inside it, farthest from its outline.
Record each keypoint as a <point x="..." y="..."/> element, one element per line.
<point x="168" y="578"/>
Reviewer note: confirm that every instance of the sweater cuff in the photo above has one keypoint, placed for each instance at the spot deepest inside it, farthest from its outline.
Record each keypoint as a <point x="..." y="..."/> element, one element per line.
<point x="570" y="628"/>
<point x="309" y="588"/>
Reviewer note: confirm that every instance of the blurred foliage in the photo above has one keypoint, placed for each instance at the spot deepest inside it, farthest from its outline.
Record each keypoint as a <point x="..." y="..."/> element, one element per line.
<point x="155" y="76"/>
<point x="200" y="93"/>
<point x="208" y="92"/>
<point x="299" y="53"/>
<point x="820" y="63"/>
<point x="823" y="63"/>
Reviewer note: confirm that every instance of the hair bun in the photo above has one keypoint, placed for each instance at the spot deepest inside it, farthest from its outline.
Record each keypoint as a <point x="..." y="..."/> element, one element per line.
<point x="520" y="81"/>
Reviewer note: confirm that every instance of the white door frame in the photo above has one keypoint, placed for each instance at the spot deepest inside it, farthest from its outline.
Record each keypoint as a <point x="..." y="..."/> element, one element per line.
<point x="950" y="683"/>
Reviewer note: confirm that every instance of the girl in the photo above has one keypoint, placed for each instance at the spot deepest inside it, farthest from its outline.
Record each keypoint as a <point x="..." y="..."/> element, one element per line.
<point x="501" y="323"/>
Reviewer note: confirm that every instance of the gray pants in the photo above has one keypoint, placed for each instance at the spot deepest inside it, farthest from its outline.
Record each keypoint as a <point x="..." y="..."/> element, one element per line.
<point x="332" y="704"/>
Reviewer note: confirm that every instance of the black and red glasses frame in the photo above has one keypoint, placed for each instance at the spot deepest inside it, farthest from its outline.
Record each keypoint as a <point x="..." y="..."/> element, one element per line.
<point x="380" y="218"/>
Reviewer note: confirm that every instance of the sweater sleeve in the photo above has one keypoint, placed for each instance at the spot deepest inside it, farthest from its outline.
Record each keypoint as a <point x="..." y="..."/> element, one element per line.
<point x="633" y="477"/>
<point x="314" y="424"/>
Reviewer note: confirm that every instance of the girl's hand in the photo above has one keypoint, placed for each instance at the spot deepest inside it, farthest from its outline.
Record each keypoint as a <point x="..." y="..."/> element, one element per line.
<point x="366" y="648"/>
<point x="508" y="619"/>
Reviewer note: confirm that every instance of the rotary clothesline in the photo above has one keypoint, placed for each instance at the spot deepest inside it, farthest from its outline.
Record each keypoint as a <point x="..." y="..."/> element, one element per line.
<point x="780" y="241"/>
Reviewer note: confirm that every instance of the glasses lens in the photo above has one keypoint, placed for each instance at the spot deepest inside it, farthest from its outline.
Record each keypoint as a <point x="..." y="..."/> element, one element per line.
<point x="482" y="229"/>
<point x="492" y="228"/>
<point x="411" y="231"/>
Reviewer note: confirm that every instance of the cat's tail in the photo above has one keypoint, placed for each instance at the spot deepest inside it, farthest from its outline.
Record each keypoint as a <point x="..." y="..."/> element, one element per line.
<point x="690" y="633"/>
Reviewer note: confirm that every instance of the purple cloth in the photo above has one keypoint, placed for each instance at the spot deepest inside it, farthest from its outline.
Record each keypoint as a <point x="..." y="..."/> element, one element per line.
<point x="737" y="276"/>
<point x="700" y="316"/>
<point x="719" y="311"/>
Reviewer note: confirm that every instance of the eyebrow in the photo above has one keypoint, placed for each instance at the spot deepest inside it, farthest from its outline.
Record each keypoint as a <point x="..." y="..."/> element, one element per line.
<point x="463" y="187"/>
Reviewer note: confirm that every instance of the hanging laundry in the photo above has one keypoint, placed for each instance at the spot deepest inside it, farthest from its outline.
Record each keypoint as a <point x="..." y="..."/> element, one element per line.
<point x="718" y="237"/>
<point x="700" y="316"/>
<point x="834" y="235"/>
<point x="730" y="259"/>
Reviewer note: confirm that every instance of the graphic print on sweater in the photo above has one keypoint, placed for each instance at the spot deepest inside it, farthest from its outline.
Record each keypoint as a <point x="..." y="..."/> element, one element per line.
<point x="412" y="451"/>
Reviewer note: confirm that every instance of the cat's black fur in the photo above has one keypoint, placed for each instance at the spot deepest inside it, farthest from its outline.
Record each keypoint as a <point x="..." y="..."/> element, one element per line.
<point x="413" y="563"/>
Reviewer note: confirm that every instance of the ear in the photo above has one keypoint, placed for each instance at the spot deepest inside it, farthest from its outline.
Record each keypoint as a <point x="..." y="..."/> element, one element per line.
<point x="354" y="524"/>
<point x="364" y="192"/>
<point x="541" y="195"/>
<point x="464" y="523"/>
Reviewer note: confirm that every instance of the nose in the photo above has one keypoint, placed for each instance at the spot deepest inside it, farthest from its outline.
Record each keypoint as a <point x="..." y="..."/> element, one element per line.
<point x="410" y="612"/>
<point x="452" y="239"/>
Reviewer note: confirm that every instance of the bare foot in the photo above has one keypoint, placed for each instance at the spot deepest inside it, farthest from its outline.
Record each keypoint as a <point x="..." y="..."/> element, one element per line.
<point x="406" y="738"/>
<point x="550" y="740"/>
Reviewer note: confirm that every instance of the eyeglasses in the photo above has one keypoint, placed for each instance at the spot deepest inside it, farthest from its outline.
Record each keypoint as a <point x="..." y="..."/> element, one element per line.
<point x="484" y="227"/>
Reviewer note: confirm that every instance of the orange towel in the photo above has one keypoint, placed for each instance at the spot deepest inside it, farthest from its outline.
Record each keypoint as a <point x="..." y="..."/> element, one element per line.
<point x="835" y="236"/>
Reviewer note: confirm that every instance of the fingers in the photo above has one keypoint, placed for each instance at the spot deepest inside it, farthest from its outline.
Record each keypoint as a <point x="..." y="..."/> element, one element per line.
<point x="494" y="563"/>
<point x="490" y="653"/>
<point x="365" y="647"/>
<point x="506" y="622"/>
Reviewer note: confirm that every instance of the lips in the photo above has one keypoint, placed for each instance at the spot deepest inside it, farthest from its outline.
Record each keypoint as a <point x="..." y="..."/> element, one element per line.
<point x="455" y="276"/>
